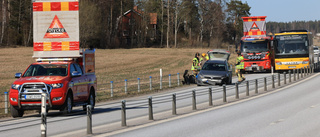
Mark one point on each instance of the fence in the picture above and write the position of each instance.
(134, 86)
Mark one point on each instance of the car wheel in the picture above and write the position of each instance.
(91, 101)
(229, 81)
(16, 112)
(67, 107)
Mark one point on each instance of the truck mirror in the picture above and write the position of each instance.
(75, 74)
(17, 75)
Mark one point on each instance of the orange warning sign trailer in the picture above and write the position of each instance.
(255, 45)
(56, 28)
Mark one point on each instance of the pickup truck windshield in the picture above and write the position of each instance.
(47, 70)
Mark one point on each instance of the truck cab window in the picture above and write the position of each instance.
(78, 68)
(72, 68)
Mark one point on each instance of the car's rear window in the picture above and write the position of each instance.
(214, 67)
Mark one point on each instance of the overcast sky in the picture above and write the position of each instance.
(285, 10)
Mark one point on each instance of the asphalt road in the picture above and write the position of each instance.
(109, 112)
(289, 112)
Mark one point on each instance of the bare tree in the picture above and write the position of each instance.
(162, 10)
(4, 20)
(168, 17)
(178, 20)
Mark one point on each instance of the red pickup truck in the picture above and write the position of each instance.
(68, 82)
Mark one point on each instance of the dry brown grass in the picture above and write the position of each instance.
(111, 64)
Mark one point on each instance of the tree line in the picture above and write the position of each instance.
(179, 23)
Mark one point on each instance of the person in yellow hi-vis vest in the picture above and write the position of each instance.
(203, 59)
(240, 67)
(196, 64)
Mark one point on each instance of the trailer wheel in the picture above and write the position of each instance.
(16, 112)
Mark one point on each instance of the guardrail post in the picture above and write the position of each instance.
(279, 84)
(139, 85)
(294, 75)
(178, 78)
(160, 82)
(174, 104)
(224, 93)
(256, 88)
(150, 82)
(265, 84)
(273, 85)
(289, 76)
(298, 74)
(271, 70)
(309, 70)
(126, 86)
(111, 88)
(160, 78)
(304, 72)
(247, 89)
(6, 100)
(285, 77)
(210, 96)
(43, 126)
(194, 105)
(169, 80)
(89, 119)
(123, 113)
(150, 108)
(237, 90)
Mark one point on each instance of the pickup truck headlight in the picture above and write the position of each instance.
(15, 86)
(57, 85)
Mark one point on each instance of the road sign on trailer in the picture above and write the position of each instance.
(55, 28)
(254, 26)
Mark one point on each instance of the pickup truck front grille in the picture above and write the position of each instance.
(32, 92)
(35, 88)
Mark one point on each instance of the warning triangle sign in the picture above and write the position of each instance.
(254, 27)
(56, 30)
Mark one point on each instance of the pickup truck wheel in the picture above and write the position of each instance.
(67, 108)
(91, 101)
(15, 112)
